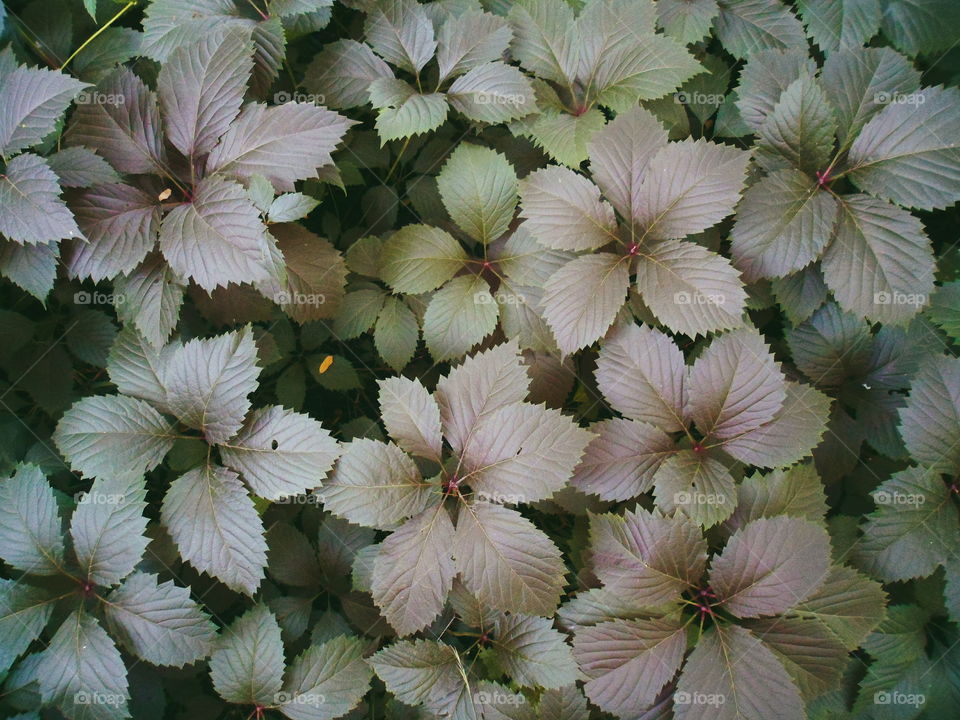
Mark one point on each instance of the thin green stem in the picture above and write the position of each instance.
(93, 37)
(397, 161)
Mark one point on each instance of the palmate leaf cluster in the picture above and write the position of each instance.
(479, 359)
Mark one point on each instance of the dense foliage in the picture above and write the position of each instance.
(480, 359)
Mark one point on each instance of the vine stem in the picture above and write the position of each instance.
(90, 39)
(397, 161)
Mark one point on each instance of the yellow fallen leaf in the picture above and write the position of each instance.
(164, 195)
(325, 365)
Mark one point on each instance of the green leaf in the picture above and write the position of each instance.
(413, 115)
(459, 316)
(342, 73)
(731, 663)
(493, 93)
(108, 529)
(800, 294)
(521, 452)
(290, 207)
(483, 383)
(648, 558)
(216, 527)
(746, 26)
(796, 492)
(396, 333)
(469, 40)
(159, 622)
(81, 672)
(583, 298)
(30, 537)
(401, 33)
(207, 382)
(641, 373)
(284, 143)
(921, 26)
(944, 309)
(800, 131)
(110, 434)
(247, 666)
(419, 671)
(375, 484)
(31, 210)
(687, 20)
(764, 78)
(880, 264)
(831, 347)
(620, 154)
(628, 662)
(201, 87)
(33, 100)
(544, 41)
(908, 154)
(31, 267)
(420, 258)
(411, 416)
(280, 453)
(931, 419)
(735, 386)
(564, 136)
(783, 223)
(913, 530)
(413, 570)
(848, 605)
(840, 24)
(358, 312)
(479, 190)
(82, 168)
(700, 487)
(326, 681)
(506, 561)
(563, 210)
(533, 653)
(24, 613)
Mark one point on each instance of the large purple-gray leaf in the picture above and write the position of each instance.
(122, 123)
(31, 102)
(771, 565)
(215, 526)
(120, 223)
(217, 238)
(284, 143)
(31, 210)
(208, 381)
(628, 662)
(201, 89)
